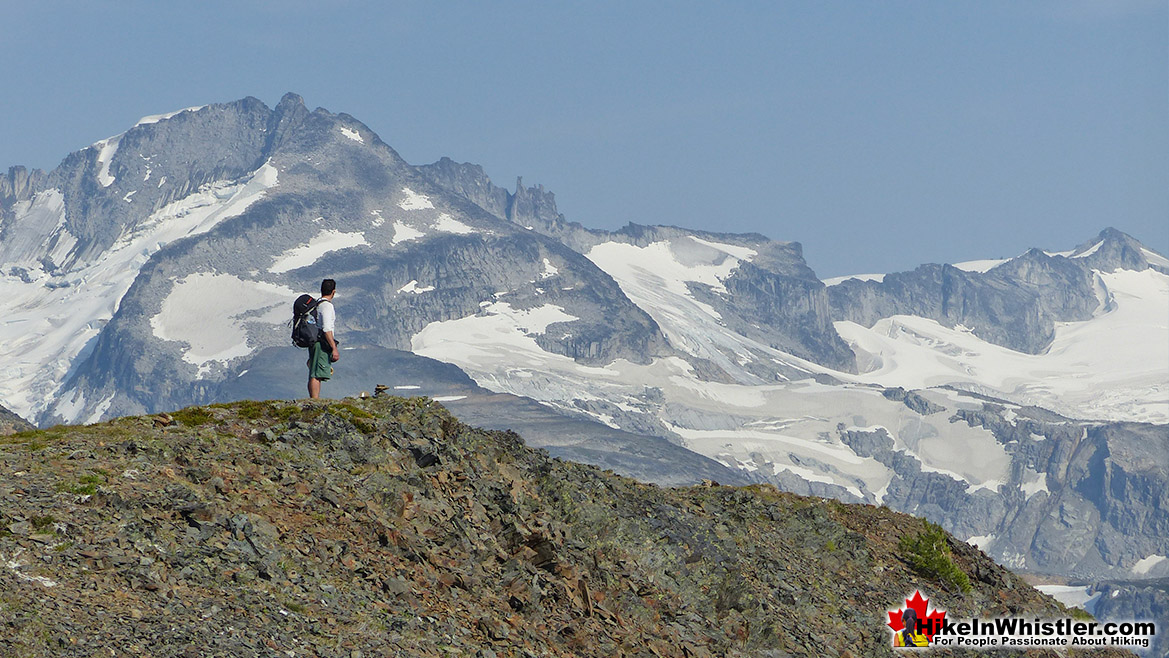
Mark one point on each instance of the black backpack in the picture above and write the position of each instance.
(305, 331)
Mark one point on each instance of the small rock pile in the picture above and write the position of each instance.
(385, 527)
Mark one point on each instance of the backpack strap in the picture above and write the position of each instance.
(317, 303)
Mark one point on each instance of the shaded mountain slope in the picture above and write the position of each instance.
(1014, 303)
(11, 423)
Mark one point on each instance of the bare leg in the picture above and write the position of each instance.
(314, 387)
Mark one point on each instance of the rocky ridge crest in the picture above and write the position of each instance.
(362, 527)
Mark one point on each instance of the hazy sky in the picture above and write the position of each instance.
(881, 135)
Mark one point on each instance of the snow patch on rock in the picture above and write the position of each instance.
(411, 200)
(304, 255)
(414, 288)
(155, 118)
(213, 325)
(980, 266)
(859, 277)
(1147, 564)
(402, 233)
(448, 224)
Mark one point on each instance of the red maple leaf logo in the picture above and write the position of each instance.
(931, 622)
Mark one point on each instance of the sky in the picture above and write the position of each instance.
(878, 135)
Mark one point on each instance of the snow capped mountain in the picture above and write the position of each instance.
(154, 269)
(1110, 367)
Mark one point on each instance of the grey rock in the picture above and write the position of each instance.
(1015, 304)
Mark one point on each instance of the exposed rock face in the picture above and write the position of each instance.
(258, 528)
(997, 310)
(1084, 500)
(774, 298)
(1015, 304)
(1113, 250)
(1136, 600)
(10, 423)
(19, 184)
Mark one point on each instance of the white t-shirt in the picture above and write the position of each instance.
(326, 315)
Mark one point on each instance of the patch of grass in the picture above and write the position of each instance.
(193, 416)
(34, 440)
(42, 523)
(361, 419)
(928, 553)
(78, 489)
(298, 608)
(251, 409)
(86, 484)
(356, 412)
(1080, 613)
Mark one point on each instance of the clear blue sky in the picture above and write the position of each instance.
(879, 134)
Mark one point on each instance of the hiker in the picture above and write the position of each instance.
(909, 636)
(323, 353)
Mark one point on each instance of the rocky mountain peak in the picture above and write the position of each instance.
(290, 102)
(1113, 250)
(19, 184)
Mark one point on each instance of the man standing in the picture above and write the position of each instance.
(323, 353)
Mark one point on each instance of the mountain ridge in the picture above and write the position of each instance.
(385, 525)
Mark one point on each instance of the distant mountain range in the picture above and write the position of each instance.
(1022, 403)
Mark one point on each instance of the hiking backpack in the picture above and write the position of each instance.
(305, 331)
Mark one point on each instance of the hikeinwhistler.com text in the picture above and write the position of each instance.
(1015, 632)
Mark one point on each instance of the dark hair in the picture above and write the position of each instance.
(327, 287)
(909, 618)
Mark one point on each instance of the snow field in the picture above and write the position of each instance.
(777, 427)
(1112, 367)
(214, 326)
(50, 319)
(304, 255)
(658, 278)
(1073, 596)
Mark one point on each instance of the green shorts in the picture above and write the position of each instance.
(319, 366)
